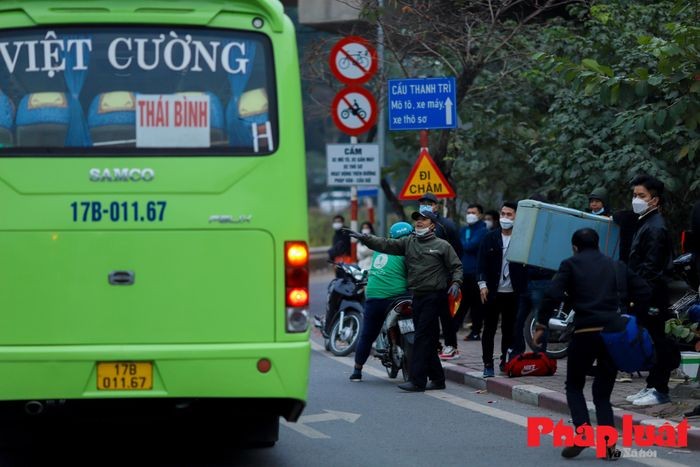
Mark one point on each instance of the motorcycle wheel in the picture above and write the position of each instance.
(557, 347)
(392, 370)
(343, 337)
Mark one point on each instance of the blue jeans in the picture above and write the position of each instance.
(373, 317)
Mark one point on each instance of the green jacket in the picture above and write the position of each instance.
(431, 263)
(387, 276)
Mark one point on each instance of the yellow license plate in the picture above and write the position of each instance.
(124, 376)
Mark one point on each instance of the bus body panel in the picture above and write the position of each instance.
(208, 299)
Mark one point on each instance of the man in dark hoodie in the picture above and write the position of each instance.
(591, 281)
(433, 271)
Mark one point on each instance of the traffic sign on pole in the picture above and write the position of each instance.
(353, 60)
(425, 178)
(354, 110)
(422, 104)
(352, 164)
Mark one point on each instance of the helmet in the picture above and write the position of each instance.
(400, 229)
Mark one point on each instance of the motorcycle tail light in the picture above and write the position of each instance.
(296, 283)
(404, 308)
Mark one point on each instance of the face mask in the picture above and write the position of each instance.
(472, 218)
(599, 211)
(639, 206)
(506, 224)
(489, 224)
(366, 231)
(425, 207)
(337, 225)
(422, 232)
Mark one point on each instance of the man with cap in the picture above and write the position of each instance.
(433, 271)
(598, 202)
(446, 230)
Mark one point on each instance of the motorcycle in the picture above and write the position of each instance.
(559, 331)
(345, 301)
(394, 345)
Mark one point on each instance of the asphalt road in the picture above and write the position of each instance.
(345, 424)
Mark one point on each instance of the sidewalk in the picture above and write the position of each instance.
(548, 391)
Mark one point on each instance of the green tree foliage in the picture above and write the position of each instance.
(627, 101)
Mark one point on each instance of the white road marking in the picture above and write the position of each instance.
(469, 405)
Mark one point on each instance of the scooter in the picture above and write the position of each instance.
(394, 345)
(345, 301)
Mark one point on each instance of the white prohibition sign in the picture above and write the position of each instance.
(354, 110)
(353, 61)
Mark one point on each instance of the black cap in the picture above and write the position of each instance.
(427, 214)
(429, 196)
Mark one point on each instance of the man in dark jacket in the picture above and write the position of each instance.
(500, 282)
(591, 281)
(433, 271)
(471, 236)
(446, 230)
(651, 257)
(340, 245)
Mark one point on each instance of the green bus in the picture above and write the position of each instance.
(153, 222)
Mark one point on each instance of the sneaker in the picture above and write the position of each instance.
(678, 376)
(623, 377)
(612, 453)
(449, 353)
(488, 372)
(653, 397)
(643, 392)
(356, 375)
(472, 336)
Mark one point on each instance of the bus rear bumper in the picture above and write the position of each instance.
(230, 374)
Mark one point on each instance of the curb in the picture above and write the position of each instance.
(512, 388)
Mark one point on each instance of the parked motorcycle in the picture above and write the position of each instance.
(559, 331)
(394, 345)
(345, 301)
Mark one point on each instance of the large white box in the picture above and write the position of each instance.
(542, 233)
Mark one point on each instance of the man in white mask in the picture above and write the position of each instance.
(500, 282)
(650, 257)
(340, 245)
(471, 236)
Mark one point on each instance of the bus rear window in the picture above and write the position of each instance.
(136, 91)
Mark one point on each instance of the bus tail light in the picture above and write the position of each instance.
(296, 284)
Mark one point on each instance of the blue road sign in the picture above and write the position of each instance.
(422, 103)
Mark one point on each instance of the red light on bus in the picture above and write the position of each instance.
(297, 254)
(264, 365)
(297, 297)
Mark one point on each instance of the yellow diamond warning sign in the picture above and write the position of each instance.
(426, 177)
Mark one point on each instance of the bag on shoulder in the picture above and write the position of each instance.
(531, 364)
(629, 344)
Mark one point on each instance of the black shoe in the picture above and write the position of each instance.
(410, 387)
(356, 375)
(433, 385)
(572, 451)
(474, 336)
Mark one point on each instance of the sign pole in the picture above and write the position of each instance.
(381, 228)
(353, 212)
(424, 139)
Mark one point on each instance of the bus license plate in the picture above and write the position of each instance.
(124, 376)
(406, 326)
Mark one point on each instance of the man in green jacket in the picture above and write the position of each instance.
(433, 271)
